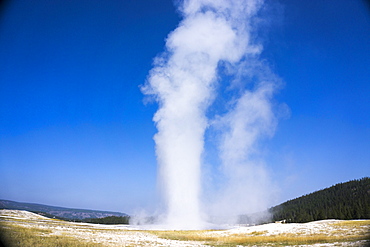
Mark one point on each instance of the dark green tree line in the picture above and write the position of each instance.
(350, 200)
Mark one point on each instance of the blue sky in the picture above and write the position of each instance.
(75, 130)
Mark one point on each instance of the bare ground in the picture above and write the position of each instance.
(342, 233)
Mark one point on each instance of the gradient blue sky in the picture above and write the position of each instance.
(74, 130)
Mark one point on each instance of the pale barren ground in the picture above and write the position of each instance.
(318, 233)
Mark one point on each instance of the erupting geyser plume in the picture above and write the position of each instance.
(213, 35)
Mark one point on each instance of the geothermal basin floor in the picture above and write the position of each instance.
(318, 233)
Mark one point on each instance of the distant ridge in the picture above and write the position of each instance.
(58, 212)
(343, 201)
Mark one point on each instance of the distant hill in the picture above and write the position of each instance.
(59, 212)
(344, 201)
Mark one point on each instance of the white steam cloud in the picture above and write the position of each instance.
(213, 36)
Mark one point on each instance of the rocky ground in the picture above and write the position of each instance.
(121, 235)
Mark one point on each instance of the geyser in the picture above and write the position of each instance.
(214, 36)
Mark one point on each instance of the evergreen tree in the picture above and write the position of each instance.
(350, 200)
